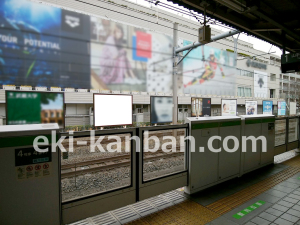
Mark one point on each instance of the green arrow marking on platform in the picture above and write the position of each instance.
(249, 209)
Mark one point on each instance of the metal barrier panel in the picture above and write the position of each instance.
(167, 159)
(163, 159)
(97, 172)
(293, 129)
(85, 173)
(293, 133)
(280, 132)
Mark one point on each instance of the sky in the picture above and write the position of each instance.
(56, 104)
(257, 43)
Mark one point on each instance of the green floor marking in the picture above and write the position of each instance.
(249, 209)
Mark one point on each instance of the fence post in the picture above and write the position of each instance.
(287, 134)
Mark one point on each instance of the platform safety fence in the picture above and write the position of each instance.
(116, 179)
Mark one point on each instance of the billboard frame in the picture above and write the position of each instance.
(112, 125)
(235, 105)
(202, 106)
(64, 104)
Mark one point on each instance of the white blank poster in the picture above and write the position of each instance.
(110, 110)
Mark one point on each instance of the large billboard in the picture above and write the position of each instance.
(260, 84)
(41, 45)
(128, 58)
(209, 71)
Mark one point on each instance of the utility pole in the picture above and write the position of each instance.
(175, 98)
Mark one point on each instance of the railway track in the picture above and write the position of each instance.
(97, 165)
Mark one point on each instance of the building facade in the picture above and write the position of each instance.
(250, 65)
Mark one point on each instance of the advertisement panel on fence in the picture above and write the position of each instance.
(251, 107)
(267, 107)
(229, 107)
(281, 108)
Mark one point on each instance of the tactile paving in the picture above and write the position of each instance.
(227, 204)
(189, 212)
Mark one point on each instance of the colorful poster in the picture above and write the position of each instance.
(128, 58)
(228, 107)
(209, 71)
(201, 107)
(281, 108)
(251, 107)
(260, 84)
(267, 107)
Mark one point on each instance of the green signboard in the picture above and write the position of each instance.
(34, 108)
(23, 108)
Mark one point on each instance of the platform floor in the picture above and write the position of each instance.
(270, 195)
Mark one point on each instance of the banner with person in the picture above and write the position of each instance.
(229, 107)
(209, 71)
(251, 107)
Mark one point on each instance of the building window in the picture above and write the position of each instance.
(246, 73)
(52, 114)
(273, 77)
(145, 108)
(244, 92)
(272, 93)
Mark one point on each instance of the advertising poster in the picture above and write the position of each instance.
(228, 107)
(209, 71)
(251, 107)
(281, 108)
(293, 108)
(161, 109)
(128, 58)
(267, 107)
(39, 45)
(201, 107)
(260, 84)
(44, 108)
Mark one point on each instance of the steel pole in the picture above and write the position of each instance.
(175, 99)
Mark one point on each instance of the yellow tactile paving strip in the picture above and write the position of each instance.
(189, 212)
